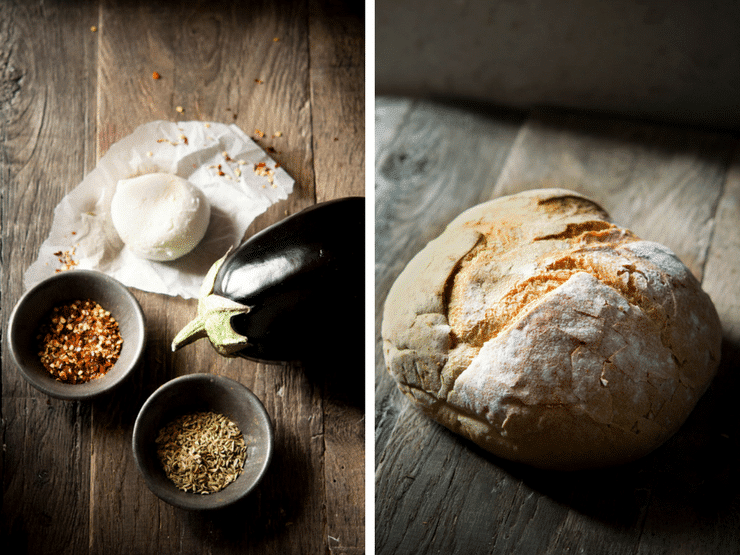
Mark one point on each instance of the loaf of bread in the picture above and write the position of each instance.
(548, 335)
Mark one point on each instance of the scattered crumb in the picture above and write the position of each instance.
(276, 39)
(277, 134)
(155, 75)
(259, 133)
(94, 29)
(66, 260)
(261, 169)
(180, 109)
(150, 154)
(259, 81)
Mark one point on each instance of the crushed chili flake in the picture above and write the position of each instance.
(79, 341)
(66, 260)
(261, 169)
(259, 133)
(259, 81)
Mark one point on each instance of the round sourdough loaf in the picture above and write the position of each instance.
(548, 335)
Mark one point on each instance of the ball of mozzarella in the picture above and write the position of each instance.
(159, 216)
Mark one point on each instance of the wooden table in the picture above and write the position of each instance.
(77, 77)
(438, 493)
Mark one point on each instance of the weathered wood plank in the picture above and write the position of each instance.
(337, 38)
(722, 271)
(45, 475)
(46, 146)
(219, 63)
(337, 69)
(700, 491)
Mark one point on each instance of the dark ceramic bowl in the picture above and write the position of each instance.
(194, 393)
(61, 288)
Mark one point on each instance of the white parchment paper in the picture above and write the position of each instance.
(240, 180)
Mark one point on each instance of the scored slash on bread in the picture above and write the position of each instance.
(548, 335)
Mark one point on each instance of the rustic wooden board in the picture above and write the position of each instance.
(438, 493)
(290, 75)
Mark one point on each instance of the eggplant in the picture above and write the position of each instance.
(294, 291)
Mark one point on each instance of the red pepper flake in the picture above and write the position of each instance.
(262, 170)
(259, 81)
(66, 260)
(155, 75)
(259, 133)
(79, 342)
(276, 39)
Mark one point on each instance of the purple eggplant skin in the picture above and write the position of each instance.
(304, 279)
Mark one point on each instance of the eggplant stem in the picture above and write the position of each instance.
(213, 319)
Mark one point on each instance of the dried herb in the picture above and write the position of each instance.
(79, 342)
(201, 452)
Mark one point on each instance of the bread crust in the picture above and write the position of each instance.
(548, 335)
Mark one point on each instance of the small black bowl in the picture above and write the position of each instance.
(61, 288)
(195, 393)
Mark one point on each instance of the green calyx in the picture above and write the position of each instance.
(213, 319)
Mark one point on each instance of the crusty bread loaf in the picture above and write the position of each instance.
(548, 335)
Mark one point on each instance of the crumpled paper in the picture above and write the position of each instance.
(240, 180)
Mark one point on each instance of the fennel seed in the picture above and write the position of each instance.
(201, 452)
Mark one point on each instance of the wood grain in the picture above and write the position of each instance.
(44, 108)
(287, 75)
(438, 493)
